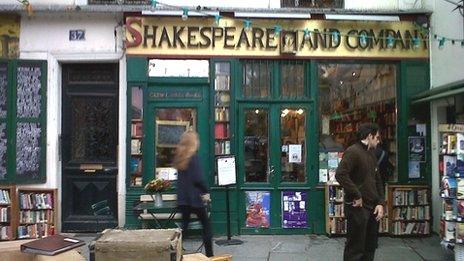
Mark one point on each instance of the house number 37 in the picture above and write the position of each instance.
(76, 35)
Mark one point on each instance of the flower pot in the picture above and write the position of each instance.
(158, 199)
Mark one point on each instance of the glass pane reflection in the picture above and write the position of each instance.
(292, 131)
(256, 144)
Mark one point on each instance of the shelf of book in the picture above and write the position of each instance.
(451, 169)
(335, 212)
(37, 213)
(222, 97)
(135, 163)
(409, 208)
(7, 210)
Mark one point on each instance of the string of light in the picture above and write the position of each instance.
(363, 37)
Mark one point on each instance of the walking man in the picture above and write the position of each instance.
(358, 174)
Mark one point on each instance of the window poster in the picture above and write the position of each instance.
(294, 209)
(414, 169)
(417, 148)
(258, 207)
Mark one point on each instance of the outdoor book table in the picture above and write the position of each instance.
(149, 211)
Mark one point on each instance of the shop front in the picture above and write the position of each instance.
(277, 95)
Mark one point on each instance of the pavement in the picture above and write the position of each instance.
(314, 248)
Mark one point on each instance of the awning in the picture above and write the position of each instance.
(444, 91)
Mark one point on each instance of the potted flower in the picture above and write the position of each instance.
(155, 187)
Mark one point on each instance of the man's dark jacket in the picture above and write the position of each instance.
(359, 176)
(191, 184)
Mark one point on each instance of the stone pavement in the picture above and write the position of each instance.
(315, 248)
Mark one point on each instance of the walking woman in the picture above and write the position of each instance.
(192, 192)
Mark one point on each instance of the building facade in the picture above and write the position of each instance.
(274, 92)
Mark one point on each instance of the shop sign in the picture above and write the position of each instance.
(9, 36)
(199, 36)
(451, 128)
(160, 95)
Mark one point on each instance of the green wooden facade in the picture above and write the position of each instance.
(412, 78)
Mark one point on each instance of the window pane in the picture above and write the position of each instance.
(169, 126)
(351, 94)
(178, 68)
(292, 83)
(256, 144)
(256, 79)
(292, 129)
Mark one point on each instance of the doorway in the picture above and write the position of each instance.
(89, 142)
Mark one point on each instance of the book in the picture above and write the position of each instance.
(460, 143)
(449, 165)
(459, 232)
(460, 188)
(452, 139)
(51, 245)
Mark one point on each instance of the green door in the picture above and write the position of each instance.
(273, 144)
(167, 120)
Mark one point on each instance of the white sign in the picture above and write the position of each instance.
(226, 171)
(166, 173)
(294, 153)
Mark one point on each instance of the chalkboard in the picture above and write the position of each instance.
(29, 86)
(3, 88)
(28, 149)
(168, 132)
(3, 142)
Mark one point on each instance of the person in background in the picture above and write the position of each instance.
(358, 174)
(192, 192)
(383, 163)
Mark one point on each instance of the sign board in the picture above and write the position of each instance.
(226, 171)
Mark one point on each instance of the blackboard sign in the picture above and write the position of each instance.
(168, 132)
(28, 149)
(3, 88)
(3, 143)
(29, 87)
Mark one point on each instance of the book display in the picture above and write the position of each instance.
(222, 146)
(7, 208)
(409, 208)
(335, 212)
(37, 213)
(451, 169)
(136, 142)
(344, 125)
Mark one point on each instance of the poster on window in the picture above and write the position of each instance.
(294, 209)
(417, 149)
(258, 206)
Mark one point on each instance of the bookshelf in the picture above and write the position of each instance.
(409, 208)
(451, 169)
(37, 213)
(222, 134)
(335, 212)
(136, 160)
(7, 210)
(344, 125)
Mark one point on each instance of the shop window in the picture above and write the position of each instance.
(313, 3)
(256, 143)
(351, 94)
(292, 131)
(178, 68)
(136, 161)
(256, 79)
(292, 82)
(170, 124)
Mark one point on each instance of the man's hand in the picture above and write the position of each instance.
(206, 198)
(378, 211)
(358, 203)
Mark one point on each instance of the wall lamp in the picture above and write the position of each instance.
(392, 18)
(271, 15)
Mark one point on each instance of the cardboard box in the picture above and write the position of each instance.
(142, 244)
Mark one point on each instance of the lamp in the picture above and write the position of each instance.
(271, 15)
